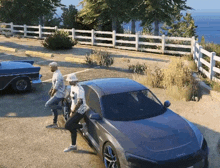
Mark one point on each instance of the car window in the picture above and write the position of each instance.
(93, 101)
(131, 106)
(151, 96)
(86, 89)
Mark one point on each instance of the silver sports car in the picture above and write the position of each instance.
(130, 128)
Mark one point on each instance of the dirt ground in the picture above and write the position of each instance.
(25, 142)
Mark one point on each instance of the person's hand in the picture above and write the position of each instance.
(50, 91)
(53, 92)
(72, 112)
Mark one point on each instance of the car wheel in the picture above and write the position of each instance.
(21, 84)
(110, 157)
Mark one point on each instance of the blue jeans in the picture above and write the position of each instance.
(52, 104)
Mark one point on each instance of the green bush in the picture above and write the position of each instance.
(58, 40)
(99, 58)
(138, 68)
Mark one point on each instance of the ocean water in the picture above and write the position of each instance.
(208, 26)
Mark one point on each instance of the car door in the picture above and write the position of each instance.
(93, 125)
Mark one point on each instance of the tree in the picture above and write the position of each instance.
(159, 11)
(26, 11)
(51, 20)
(69, 17)
(181, 26)
(102, 12)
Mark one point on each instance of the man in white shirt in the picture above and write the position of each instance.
(57, 92)
(78, 109)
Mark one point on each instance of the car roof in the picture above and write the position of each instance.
(107, 86)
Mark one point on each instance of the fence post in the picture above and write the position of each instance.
(56, 28)
(92, 37)
(113, 38)
(163, 44)
(192, 44)
(200, 56)
(40, 31)
(137, 41)
(12, 28)
(194, 53)
(212, 65)
(25, 30)
(73, 33)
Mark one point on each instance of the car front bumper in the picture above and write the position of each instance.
(197, 161)
(37, 81)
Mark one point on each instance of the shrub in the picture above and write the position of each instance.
(177, 79)
(188, 57)
(99, 58)
(58, 40)
(155, 78)
(215, 86)
(138, 68)
(179, 82)
(151, 78)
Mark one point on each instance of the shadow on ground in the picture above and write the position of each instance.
(29, 104)
(73, 51)
(213, 139)
(140, 58)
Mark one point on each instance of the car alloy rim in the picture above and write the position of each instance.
(110, 159)
(21, 84)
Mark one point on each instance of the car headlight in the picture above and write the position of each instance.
(197, 132)
(138, 161)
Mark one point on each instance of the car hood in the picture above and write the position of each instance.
(158, 137)
(14, 65)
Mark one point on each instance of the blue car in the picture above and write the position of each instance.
(19, 74)
(130, 128)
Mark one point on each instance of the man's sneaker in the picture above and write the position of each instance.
(70, 148)
(52, 126)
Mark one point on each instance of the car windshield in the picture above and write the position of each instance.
(131, 106)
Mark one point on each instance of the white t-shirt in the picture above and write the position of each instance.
(58, 84)
(77, 92)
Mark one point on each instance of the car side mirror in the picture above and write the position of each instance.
(95, 116)
(167, 104)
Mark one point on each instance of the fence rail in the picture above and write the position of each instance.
(208, 68)
(149, 43)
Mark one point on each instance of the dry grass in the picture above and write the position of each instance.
(125, 60)
(215, 86)
(176, 79)
(101, 58)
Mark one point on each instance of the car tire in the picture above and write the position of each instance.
(21, 85)
(110, 157)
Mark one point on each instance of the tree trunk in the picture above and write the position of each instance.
(114, 24)
(99, 24)
(41, 20)
(132, 26)
(156, 28)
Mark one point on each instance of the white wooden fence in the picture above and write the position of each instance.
(135, 42)
(198, 55)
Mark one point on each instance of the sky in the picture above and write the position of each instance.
(199, 6)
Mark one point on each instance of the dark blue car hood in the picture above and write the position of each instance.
(162, 136)
(14, 65)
